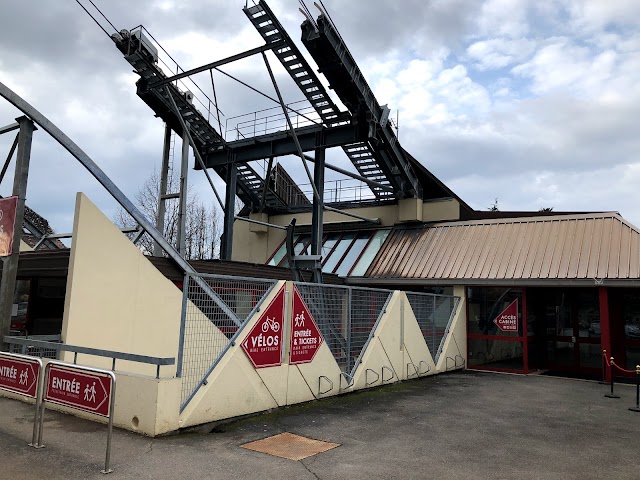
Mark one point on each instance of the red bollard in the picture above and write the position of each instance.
(611, 394)
(637, 407)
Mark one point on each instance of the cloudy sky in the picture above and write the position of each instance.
(535, 103)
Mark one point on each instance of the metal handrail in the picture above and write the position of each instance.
(131, 357)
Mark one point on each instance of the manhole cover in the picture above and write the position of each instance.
(288, 445)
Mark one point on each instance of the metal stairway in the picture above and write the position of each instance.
(250, 184)
(337, 64)
(361, 154)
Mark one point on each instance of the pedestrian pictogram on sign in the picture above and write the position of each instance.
(305, 336)
(19, 375)
(263, 344)
(507, 321)
(81, 389)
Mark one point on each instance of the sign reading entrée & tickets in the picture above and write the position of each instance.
(81, 389)
(507, 321)
(305, 336)
(19, 375)
(263, 344)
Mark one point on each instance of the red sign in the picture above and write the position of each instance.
(7, 223)
(263, 344)
(77, 388)
(507, 321)
(19, 375)
(305, 336)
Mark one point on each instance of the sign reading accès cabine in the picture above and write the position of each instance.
(305, 336)
(263, 344)
(19, 375)
(81, 389)
(7, 224)
(507, 321)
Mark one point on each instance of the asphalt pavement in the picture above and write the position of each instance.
(459, 425)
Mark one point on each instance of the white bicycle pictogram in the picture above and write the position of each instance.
(270, 322)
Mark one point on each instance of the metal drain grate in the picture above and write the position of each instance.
(290, 446)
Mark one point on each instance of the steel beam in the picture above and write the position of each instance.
(164, 174)
(280, 144)
(226, 245)
(317, 210)
(218, 63)
(9, 128)
(10, 267)
(375, 221)
(258, 222)
(12, 150)
(113, 190)
(182, 209)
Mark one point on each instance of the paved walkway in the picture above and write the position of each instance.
(461, 425)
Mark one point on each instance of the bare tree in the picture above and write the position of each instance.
(202, 225)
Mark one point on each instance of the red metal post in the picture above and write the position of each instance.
(605, 325)
(525, 333)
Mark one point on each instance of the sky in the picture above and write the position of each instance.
(530, 102)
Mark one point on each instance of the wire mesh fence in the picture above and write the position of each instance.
(214, 309)
(434, 314)
(346, 317)
(36, 351)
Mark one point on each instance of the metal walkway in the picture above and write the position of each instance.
(361, 154)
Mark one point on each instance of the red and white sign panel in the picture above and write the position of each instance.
(81, 389)
(305, 336)
(263, 344)
(7, 223)
(19, 375)
(507, 321)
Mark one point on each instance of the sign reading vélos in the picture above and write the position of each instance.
(263, 344)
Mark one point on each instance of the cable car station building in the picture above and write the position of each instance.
(396, 278)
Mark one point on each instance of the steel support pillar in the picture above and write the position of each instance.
(182, 209)
(164, 177)
(10, 267)
(226, 245)
(317, 212)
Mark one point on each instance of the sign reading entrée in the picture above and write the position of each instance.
(81, 389)
(263, 344)
(19, 375)
(305, 336)
(507, 321)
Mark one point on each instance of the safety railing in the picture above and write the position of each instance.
(270, 120)
(208, 329)
(346, 317)
(40, 348)
(434, 314)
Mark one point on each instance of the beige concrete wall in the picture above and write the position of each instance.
(116, 299)
(254, 243)
(454, 350)
(143, 405)
(24, 247)
(441, 210)
(417, 359)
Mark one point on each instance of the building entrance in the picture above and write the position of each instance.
(564, 330)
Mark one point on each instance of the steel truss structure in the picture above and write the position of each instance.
(363, 131)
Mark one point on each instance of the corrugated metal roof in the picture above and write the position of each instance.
(564, 247)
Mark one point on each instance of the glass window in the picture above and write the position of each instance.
(495, 353)
(335, 257)
(354, 252)
(370, 253)
(281, 252)
(486, 304)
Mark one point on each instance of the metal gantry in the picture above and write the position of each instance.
(363, 131)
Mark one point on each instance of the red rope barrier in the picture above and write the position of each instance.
(604, 354)
(622, 369)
